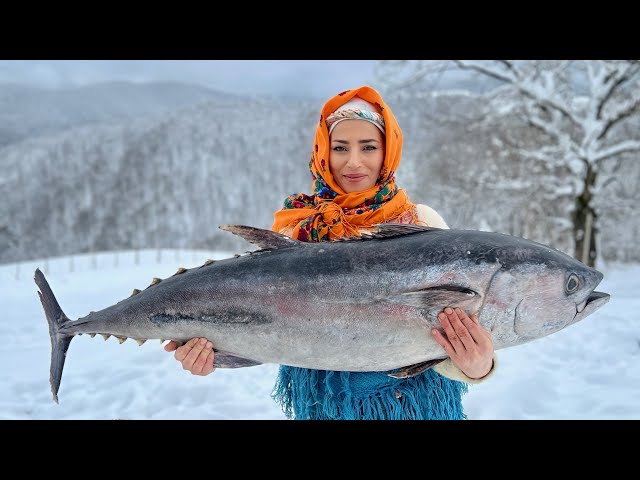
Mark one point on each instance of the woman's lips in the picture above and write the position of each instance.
(354, 178)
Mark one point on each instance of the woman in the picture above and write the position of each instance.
(357, 150)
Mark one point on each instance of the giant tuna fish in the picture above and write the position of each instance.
(362, 304)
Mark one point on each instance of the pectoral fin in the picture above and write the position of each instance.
(438, 298)
(415, 369)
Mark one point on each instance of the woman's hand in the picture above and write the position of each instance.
(467, 343)
(196, 355)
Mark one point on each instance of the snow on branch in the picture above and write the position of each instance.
(615, 150)
(542, 87)
(510, 76)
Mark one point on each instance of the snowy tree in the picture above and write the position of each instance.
(582, 108)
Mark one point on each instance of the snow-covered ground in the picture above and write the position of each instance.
(588, 371)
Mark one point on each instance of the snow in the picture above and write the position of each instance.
(588, 371)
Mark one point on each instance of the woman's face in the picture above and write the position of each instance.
(357, 154)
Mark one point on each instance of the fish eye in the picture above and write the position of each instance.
(572, 283)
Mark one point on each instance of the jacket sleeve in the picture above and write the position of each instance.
(431, 218)
(447, 369)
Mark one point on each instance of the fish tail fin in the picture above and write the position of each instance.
(59, 341)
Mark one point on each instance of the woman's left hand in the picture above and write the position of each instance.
(468, 344)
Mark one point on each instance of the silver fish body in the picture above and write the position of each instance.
(365, 304)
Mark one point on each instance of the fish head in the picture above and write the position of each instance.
(545, 294)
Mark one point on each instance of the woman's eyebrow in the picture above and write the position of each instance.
(367, 140)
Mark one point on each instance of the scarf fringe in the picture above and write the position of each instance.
(306, 394)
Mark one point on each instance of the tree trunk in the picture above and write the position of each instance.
(584, 222)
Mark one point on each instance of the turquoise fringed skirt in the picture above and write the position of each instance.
(306, 394)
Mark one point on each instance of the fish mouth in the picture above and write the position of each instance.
(591, 304)
(583, 310)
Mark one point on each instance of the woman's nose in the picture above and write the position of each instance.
(354, 158)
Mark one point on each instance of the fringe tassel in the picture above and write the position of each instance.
(306, 394)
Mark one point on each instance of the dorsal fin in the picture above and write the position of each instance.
(264, 239)
(388, 230)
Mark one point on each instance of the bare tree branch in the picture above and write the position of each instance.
(417, 71)
(481, 68)
(609, 93)
(615, 150)
(629, 72)
(632, 108)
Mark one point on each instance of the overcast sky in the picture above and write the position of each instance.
(318, 78)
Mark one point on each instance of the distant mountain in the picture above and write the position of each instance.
(28, 112)
(169, 179)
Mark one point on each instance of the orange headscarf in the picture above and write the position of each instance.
(331, 213)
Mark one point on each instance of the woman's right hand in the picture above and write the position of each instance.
(196, 355)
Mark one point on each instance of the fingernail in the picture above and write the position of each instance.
(448, 310)
(203, 341)
(209, 345)
(433, 331)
